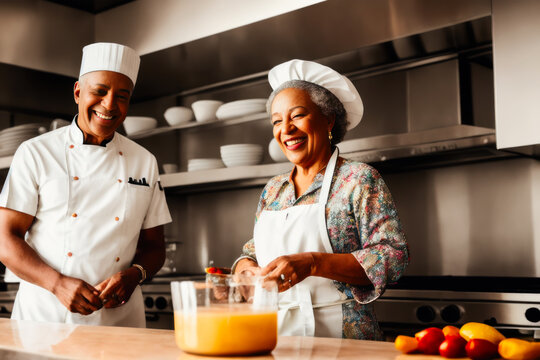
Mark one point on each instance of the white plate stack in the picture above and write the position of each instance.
(12, 137)
(240, 108)
(241, 154)
(204, 164)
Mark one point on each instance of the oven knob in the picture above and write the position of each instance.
(451, 313)
(425, 313)
(161, 303)
(149, 302)
(532, 314)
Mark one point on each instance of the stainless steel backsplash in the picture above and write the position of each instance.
(480, 219)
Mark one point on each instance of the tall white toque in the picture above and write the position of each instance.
(324, 76)
(112, 57)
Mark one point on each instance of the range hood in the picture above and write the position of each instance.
(427, 109)
(448, 145)
(426, 78)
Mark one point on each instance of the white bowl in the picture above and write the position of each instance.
(247, 162)
(275, 151)
(205, 110)
(177, 115)
(241, 154)
(241, 108)
(137, 124)
(204, 164)
(241, 148)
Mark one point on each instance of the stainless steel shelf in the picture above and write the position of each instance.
(223, 175)
(201, 125)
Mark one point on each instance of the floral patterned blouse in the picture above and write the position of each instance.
(362, 220)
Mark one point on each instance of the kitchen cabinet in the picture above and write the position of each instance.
(515, 53)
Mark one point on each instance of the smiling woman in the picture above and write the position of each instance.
(302, 130)
(328, 233)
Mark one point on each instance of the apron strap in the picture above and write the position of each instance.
(323, 198)
(328, 175)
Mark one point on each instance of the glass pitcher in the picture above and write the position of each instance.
(225, 315)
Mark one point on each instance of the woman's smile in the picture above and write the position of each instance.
(294, 143)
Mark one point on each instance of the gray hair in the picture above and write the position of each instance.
(328, 104)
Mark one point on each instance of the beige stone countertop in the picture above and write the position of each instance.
(35, 340)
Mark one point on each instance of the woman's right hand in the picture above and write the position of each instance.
(247, 267)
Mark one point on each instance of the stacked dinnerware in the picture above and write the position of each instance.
(241, 154)
(204, 164)
(239, 108)
(12, 137)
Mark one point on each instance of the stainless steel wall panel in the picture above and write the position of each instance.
(385, 103)
(433, 96)
(471, 220)
(211, 226)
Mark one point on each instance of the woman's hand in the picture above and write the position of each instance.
(247, 267)
(289, 270)
(117, 289)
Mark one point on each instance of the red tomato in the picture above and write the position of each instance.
(453, 347)
(480, 349)
(429, 340)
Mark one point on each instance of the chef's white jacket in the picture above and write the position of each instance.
(90, 203)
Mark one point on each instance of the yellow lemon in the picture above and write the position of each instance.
(474, 330)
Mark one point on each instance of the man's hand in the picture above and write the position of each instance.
(76, 295)
(116, 290)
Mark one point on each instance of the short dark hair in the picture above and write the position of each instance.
(328, 104)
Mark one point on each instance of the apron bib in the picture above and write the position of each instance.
(313, 306)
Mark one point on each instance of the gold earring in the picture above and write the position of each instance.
(330, 135)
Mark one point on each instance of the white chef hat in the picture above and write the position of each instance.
(323, 76)
(112, 57)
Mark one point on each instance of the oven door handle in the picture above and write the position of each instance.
(152, 317)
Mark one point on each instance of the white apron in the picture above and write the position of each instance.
(313, 306)
(94, 213)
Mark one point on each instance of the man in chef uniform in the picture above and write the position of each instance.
(82, 210)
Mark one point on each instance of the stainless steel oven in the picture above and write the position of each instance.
(7, 298)
(512, 305)
(158, 303)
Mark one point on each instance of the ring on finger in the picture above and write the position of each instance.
(282, 277)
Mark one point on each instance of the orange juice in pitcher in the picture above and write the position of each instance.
(229, 315)
(215, 331)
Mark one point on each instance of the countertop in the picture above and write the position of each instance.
(33, 340)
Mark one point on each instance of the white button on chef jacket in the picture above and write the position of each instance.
(87, 216)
